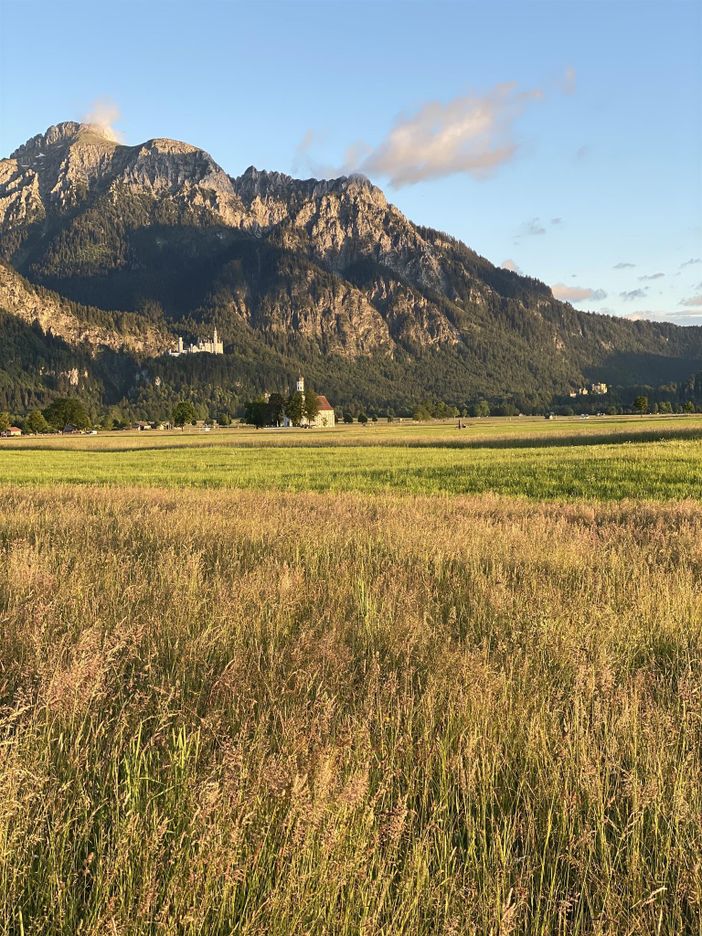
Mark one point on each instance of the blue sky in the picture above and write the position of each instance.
(561, 136)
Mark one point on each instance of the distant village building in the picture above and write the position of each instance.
(11, 431)
(325, 418)
(209, 347)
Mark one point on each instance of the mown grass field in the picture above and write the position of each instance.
(601, 459)
(279, 710)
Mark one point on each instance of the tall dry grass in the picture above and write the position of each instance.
(303, 714)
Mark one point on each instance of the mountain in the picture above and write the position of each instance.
(114, 250)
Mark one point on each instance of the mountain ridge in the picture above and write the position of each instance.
(318, 271)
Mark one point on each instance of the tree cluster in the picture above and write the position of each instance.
(272, 409)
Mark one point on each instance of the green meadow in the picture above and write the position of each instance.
(404, 680)
(600, 459)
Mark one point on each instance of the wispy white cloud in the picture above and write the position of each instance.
(651, 276)
(673, 318)
(302, 152)
(471, 135)
(534, 227)
(577, 293)
(510, 265)
(623, 266)
(691, 262)
(631, 294)
(693, 301)
(303, 161)
(569, 82)
(104, 114)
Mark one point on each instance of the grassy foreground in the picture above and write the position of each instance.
(235, 712)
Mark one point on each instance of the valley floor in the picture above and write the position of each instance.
(293, 708)
(626, 457)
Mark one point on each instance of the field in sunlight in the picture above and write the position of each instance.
(601, 459)
(239, 695)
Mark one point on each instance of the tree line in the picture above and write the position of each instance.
(272, 409)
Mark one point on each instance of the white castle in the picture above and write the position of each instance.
(209, 347)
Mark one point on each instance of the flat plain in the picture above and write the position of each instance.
(383, 680)
(606, 458)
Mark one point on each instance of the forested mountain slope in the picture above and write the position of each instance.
(120, 249)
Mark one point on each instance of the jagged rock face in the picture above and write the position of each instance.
(339, 318)
(270, 258)
(338, 221)
(69, 163)
(57, 317)
(335, 224)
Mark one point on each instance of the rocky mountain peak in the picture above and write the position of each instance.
(71, 161)
(61, 135)
(272, 259)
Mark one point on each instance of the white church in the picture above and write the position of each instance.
(325, 418)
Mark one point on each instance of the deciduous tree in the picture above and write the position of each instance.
(183, 413)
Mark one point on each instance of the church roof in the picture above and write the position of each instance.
(324, 403)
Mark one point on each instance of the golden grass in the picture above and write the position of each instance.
(235, 712)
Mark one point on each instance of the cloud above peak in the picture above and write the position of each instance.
(577, 293)
(103, 114)
(471, 135)
(510, 265)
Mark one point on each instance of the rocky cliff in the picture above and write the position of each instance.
(318, 269)
(74, 324)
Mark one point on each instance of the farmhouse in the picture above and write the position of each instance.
(11, 431)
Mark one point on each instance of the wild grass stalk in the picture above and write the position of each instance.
(235, 712)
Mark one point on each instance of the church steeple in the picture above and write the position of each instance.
(300, 384)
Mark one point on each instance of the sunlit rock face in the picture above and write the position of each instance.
(159, 236)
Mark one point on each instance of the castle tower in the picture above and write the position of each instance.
(180, 345)
(300, 384)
